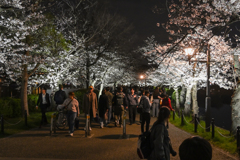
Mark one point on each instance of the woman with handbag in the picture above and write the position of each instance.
(72, 106)
(103, 106)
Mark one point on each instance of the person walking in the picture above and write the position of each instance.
(118, 102)
(44, 103)
(132, 103)
(156, 102)
(60, 96)
(103, 107)
(90, 105)
(166, 102)
(72, 106)
(110, 97)
(159, 139)
(146, 104)
(140, 107)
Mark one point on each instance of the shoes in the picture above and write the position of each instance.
(71, 134)
(89, 128)
(130, 123)
(101, 126)
(115, 124)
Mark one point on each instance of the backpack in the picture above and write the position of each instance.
(144, 145)
(119, 99)
(58, 97)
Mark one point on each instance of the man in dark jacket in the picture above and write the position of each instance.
(103, 107)
(60, 96)
(132, 103)
(44, 103)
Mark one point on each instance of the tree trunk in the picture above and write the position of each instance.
(93, 83)
(236, 98)
(177, 99)
(182, 96)
(236, 109)
(194, 99)
(187, 105)
(100, 91)
(87, 76)
(24, 100)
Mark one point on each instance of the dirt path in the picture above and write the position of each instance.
(105, 144)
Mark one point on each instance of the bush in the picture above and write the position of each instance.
(32, 102)
(79, 95)
(169, 92)
(10, 107)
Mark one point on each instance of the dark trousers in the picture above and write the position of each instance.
(43, 110)
(71, 116)
(132, 113)
(145, 118)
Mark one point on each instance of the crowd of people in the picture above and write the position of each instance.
(156, 104)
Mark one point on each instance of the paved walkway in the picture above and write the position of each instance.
(105, 144)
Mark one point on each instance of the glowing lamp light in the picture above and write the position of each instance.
(189, 51)
(141, 76)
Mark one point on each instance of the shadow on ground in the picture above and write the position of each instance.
(116, 136)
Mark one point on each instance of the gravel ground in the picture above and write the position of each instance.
(105, 144)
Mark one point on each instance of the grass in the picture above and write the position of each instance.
(33, 122)
(227, 144)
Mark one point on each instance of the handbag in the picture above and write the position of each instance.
(106, 115)
(65, 110)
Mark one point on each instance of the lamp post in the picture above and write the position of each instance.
(208, 98)
(144, 77)
(190, 52)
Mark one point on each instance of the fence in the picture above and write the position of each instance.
(197, 123)
(4, 121)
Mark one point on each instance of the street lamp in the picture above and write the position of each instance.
(190, 52)
(143, 77)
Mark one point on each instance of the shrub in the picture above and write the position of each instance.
(79, 95)
(32, 102)
(10, 107)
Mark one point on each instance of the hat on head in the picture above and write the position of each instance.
(90, 87)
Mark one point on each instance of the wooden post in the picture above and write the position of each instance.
(213, 129)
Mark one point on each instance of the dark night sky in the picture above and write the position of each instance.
(140, 14)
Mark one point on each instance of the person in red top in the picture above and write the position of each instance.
(167, 102)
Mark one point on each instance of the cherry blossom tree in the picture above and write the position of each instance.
(23, 54)
(203, 20)
(175, 69)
